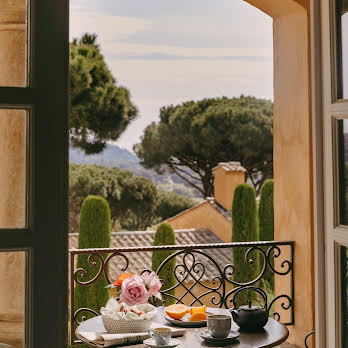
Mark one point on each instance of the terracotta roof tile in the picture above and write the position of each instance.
(140, 261)
(230, 167)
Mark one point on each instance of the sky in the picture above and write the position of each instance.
(170, 51)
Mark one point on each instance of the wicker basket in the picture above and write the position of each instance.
(116, 321)
(113, 326)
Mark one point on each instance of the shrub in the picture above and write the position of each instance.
(171, 204)
(165, 235)
(245, 229)
(95, 232)
(266, 222)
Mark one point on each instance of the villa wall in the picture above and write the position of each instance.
(293, 201)
(206, 216)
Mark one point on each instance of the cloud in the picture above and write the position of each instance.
(166, 52)
(108, 27)
(158, 83)
(191, 73)
(164, 56)
(128, 51)
(138, 48)
(196, 30)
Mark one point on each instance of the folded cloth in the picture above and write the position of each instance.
(113, 311)
(103, 339)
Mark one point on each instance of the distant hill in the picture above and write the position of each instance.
(114, 156)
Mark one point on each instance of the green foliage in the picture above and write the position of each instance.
(193, 137)
(135, 202)
(87, 180)
(165, 235)
(171, 204)
(266, 222)
(99, 109)
(266, 211)
(114, 156)
(139, 195)
(245, 229)
(94, 233)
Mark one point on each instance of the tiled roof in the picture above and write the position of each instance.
(230, 167)
(140, 261)
(225, 213)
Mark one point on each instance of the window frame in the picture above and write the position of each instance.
(318, 173)
(334, 234)
(46, 235)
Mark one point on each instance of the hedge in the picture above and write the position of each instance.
(95, 232)
(266, 222)
(165, 235)
(244, 229)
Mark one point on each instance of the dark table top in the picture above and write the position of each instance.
(274, 333)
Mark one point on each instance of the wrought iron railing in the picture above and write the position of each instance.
(307, 337)
(194, 263)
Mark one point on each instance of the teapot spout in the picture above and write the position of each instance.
(235, 315)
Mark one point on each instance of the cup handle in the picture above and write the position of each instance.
(150, 331)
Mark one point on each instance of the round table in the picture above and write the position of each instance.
(273, 334)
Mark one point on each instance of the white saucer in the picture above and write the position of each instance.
(172, 343)
(232, 336)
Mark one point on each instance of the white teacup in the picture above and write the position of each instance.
(161, 335)
(219, 326)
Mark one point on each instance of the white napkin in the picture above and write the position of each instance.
(103, 339)
(112, 310)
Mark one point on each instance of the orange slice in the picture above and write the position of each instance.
(176, 311)
(194, 310)
(198, 317)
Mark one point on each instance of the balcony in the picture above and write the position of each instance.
(204, 274)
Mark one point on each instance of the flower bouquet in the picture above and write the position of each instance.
(131, 313)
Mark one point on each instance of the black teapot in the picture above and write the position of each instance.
(250, 318)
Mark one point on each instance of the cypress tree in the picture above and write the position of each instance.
(245, 229)
(165, 235)
(95, 231)
(266, 222)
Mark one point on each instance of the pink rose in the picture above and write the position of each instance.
(134, 291)
(152, 283)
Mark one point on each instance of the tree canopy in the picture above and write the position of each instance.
(85, 180)
(135, 202)
(191, 138)
(170, 204)
(99, 109)
(139, 196)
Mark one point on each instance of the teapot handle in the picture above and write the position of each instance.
(251, 288)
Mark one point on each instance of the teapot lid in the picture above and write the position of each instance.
(249, 307)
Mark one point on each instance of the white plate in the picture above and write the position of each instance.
(184, 322)
(151, 343)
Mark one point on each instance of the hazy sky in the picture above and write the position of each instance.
(169, 51)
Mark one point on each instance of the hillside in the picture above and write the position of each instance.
(114, 156)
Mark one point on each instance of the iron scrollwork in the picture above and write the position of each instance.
(307, 337)
(192, 271)
(219, 288)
